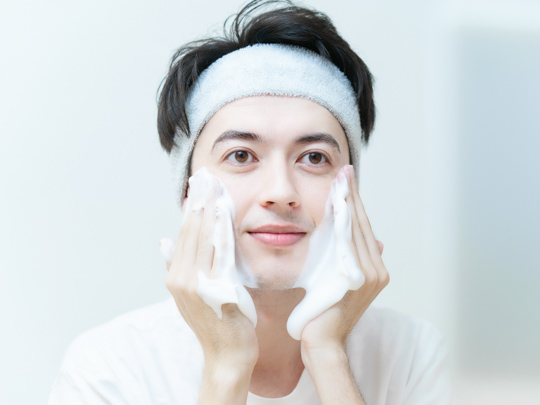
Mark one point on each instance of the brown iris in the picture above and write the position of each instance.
(315, 158)
(241, 156)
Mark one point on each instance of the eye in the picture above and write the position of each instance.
(240, 156)
(315, 158)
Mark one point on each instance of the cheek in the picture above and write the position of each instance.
(314, 194)
(241, 193)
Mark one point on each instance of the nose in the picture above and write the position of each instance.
(278, 188)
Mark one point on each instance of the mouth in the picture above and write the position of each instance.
(278, 235)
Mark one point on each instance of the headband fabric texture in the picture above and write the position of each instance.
(265, 69)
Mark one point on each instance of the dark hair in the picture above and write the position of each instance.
(284, 23)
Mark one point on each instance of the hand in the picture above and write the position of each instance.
(229, 343)
(329, 331)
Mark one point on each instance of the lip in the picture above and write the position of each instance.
(278, 228)
(278, 235)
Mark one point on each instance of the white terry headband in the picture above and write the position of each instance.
(265, 69)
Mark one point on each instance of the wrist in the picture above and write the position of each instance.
(241, 360)
(329, 370)
(329, 355)
(225, 383)
(227, 373)
(225, 366)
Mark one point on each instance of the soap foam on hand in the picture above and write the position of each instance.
(330, 269)
(230, 273)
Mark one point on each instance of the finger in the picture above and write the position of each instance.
(182, 233)
(183, 263)
(375, 251)
(205, 248)
(359, 241)
(363, 219)
(191, 242)
(224, 241)
(190, 207)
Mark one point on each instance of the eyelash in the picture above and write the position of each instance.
(231, 155)
(324, 158)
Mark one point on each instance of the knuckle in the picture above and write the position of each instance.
(385, 278)
(176, 285)
(370, 277)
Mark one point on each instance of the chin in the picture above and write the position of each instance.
(273, 269)
(267, 282)
(274, 276)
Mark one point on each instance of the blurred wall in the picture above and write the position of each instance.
(448, 181)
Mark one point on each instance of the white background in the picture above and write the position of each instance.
(449, 180)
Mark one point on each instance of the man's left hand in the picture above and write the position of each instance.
(329, 331)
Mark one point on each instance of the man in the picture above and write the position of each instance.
(276, 111)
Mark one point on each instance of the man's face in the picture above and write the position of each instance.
(277, 157)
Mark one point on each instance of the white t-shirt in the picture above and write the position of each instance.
(151, 356)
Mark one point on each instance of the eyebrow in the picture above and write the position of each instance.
(230, 135)
(318, 137)
(302, 140)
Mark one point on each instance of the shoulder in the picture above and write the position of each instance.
(389, 326)
(404, 356)
(124, 339)
(121, 358)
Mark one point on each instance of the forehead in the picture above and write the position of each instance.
(277, 119)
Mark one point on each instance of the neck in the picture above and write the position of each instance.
(279, 366)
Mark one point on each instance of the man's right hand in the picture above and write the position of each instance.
(229, 345)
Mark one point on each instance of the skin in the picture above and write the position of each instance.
(274, 179)
(278, 183)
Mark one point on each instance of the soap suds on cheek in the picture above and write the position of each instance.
(326, 272)
(230, 273)
(330, 269)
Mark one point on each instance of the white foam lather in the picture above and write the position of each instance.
(225, 283)
(329, 271)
